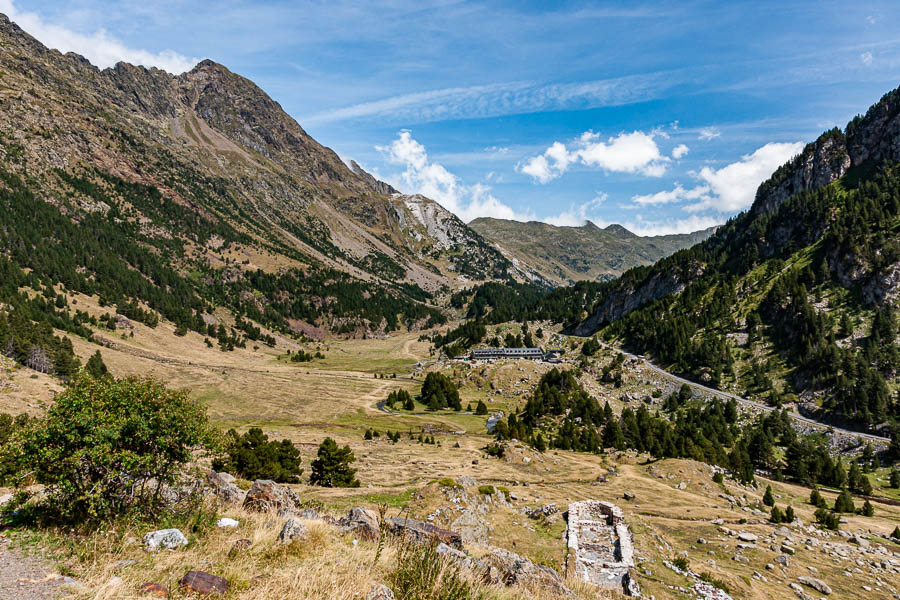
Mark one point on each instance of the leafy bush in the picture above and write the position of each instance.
(252, 456)
(109, 447)
(487, 490)
(332, 466)
(448, 482)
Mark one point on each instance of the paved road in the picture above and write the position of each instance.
(745, 401)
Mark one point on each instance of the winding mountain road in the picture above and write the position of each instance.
(745, 401)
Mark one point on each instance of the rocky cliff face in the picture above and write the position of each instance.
(867, 140)
(213, 140)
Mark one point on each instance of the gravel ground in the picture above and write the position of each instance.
(26, 578)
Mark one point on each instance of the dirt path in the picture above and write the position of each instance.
(26, 578)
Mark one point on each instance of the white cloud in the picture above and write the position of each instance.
(866, 58)
(576, 216)
(635, 152)
(677, 194)
(680, 151)
(708, 133)
(421, 176)
(733, 187)
(687, 225)
(102, 49)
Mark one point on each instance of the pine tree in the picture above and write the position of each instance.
(332, 466)
(482, 408)
(895, 478)
(789, 515)
(776, 516)
(368, 435)
(896, 533)
(95, 367)
(539, 444)
(817, 500)
(408, 403)
(768, 497)
(844, 503)
(867, 510)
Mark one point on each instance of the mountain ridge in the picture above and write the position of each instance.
(562, 255)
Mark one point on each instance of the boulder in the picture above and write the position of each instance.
(293, 530)
(362, 522)
(154, 589)
(226, 523)
(783, 560)
(204, 584)
(238, 547)
(380, 591)
(745, 536)
(423, 532)
(164, 539)
(518, 570)
(628, 496)
(471, 528)
(860, 541)
(265, 495)
(816, 584)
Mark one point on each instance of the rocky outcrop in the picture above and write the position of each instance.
(424, 532)
(518, 570)
(362, 522)
(265, 495)
(600, 549)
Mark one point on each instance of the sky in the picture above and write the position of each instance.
(661, 116)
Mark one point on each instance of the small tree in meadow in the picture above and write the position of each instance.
(331, 468)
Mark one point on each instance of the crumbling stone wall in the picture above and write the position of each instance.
(600, 549)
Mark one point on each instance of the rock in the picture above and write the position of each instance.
(71, 585)
(154, 589)
(471, 528)
(6, 499)
(265, 495)
(293, 530)
(787, 549)
(770, 567)
(467, 481)
(380, 591)
(816, 584)
(745, 536)
(226, 523)
(238, 547)
(203, 583)
(122, 564)
(113, 582)
(680, 486)
(783, 531)
(165, 539)
(362, 522)
(424, 532)
(309, 514)
(860, 541)
(628, 496)
(517, 570)
(740, 559)
(701, 541)
(783, 560)
(456, 445)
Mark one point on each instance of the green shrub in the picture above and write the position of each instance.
(447, 482)
(708, 578)
(503, 489)
(719, 477)
(423, 574)
(109, 447)
(682, 563)
(487, 490)
(252, 456)
(332, 466)
(827, 519)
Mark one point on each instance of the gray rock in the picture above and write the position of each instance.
(265, 495)
(362, 522)
(628, 496)
(816, 584)
(380, 591)
(787, 549)
(293, 530)
(164, 539)
(860, 541)
(226, 523)
(471, 528)
(745, 536)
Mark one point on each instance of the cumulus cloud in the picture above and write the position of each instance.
(677, 194)
(635, 152)
(102, 49)
(688, 224)
(733, 187)
(577, 216)
(680, 151)
(433, 180)
(708, 133)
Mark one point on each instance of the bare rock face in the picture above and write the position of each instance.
(471, 528)
(816, 584)
(362, 522)
(203, 584)
(267, 495)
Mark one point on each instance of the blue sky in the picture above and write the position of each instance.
(662, 116)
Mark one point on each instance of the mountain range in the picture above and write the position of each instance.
(564, 255)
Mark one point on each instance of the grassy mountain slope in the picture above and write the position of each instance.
(794, 300)
(170, 196)
(564, 255)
